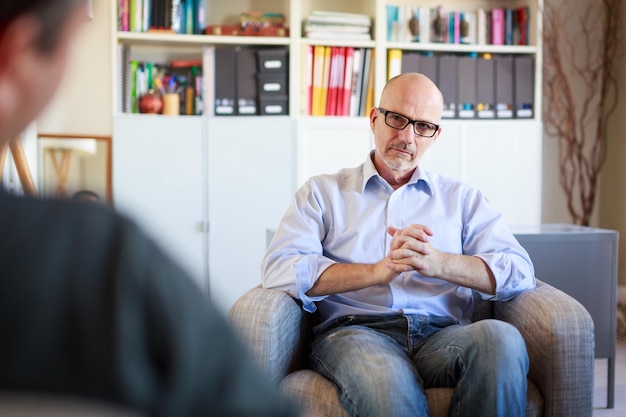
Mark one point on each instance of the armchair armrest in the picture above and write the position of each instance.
(274, 327)
(559, 337)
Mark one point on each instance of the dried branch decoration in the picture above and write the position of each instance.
(580, 88)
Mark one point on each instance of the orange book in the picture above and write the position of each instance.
(369, 103)
(318, 73)
(325, 79)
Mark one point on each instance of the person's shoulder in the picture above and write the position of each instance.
(446, 186)
(51, 216)
(337, 178)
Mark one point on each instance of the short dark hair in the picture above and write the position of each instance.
(51, 14)
(85, 195)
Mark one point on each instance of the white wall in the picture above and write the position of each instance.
(83, 103)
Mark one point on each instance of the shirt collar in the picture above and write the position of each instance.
(420, 177)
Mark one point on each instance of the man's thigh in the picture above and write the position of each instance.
(372, 371)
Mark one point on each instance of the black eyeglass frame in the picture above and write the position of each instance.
(385, 112)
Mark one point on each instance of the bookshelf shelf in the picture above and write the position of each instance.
(455, 48)
(172, 39)
(332, 42)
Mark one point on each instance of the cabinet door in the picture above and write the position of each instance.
(501, 158)
(326, 145)
(250, 187)
(159, 180)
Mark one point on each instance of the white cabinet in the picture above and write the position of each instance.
(325, 145)
(250, 186)
(159, 179)
(207, 190)
(503, 159)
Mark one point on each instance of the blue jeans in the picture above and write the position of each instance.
(381, 365)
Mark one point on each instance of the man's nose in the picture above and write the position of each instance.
(406, 134)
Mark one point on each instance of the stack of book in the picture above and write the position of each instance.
(340, 26)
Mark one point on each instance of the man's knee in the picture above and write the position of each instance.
(499, 341)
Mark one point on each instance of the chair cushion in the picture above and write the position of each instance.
(319, 396)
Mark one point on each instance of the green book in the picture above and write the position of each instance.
(134, 65)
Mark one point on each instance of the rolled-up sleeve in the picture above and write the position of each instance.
(487, 236)
(294, 259)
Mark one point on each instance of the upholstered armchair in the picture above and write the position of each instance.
(557, 329)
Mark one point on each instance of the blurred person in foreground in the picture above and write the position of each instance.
(390, 255)
(89, 307)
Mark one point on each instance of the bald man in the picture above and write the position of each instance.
(390, 255)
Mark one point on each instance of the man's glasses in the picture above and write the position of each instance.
(399, 122)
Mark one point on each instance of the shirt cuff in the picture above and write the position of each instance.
(308, 269)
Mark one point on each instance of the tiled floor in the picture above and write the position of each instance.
(599, 400)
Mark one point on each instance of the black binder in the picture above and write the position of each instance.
(485, 88)
(225, 71)
(466, 76)
(447, 82)
(524, 89)
(246, 81)
(504, 86)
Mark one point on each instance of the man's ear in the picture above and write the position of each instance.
(438, 133)
(373, 115)
(18, 41)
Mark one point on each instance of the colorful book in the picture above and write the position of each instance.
(394, 63)
(366, 77)
(123, 16)
(357, 81)
(347, 82)
(497, 26)
(318, 74)
(325, 79)
(331, 98)
(307, 76)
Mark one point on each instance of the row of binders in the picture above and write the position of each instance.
(248, 80)
(483, 87)
(497, 26)
(339, 81)
(226, 81)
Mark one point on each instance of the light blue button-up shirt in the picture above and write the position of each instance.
(344, 217)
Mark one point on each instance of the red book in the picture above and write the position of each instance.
(347, 82)
(331, 100)
(523, 26)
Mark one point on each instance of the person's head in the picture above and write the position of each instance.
(405, 98)
(86, 195)
(35, 36)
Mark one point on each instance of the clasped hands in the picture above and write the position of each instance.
(411, 250)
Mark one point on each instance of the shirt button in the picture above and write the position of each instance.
(396, 286)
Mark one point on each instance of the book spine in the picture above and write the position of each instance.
(123, 16)
(146, 15)
(347, 81)
(497, 26)
(394, 63)
(357, 80)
